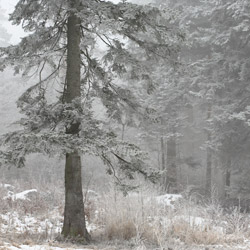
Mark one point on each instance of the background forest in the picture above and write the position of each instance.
(191, 118)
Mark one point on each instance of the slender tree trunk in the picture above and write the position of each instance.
(209, 173)
(228, 179)
(123, 130)
(209, 158)
(74, 216)
(171, 165)
(163, 164)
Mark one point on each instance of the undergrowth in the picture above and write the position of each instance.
(138, 220)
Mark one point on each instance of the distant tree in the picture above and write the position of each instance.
(222, 77)
(232, 115)
(217, 57)
(165, 106)
(86, 40)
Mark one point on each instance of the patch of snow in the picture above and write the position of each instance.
(168, 199)
(92, 193)
(195, 221)
(7, 186)
(91, 227)
(14, 223)
(39, 247)
(20, 196)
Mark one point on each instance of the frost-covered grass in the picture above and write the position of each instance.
(148, 220)
(32, 218)
(15, 246)
(26, 216)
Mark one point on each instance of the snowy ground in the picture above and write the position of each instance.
(38, 247)
(136, 222)
(176, 247)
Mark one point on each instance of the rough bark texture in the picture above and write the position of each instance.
(73, 73)
(74, 217)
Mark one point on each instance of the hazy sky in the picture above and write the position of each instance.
(15, 31)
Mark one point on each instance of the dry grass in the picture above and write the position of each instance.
(125, 231)
(140, 219)
(137, 221)
(195, 235)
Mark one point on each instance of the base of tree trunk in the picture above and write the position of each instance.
(74, 226)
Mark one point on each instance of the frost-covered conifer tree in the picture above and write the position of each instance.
(82, 44)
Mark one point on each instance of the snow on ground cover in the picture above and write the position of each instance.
(20, 196)
(91, 227)
(7, 186)
(177, 247)
(168, 199)
(194, 222)
(52, 225)
(202, 223)
(51, 222)
(38, 247)
(14, 223)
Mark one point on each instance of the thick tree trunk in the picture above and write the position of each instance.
(209, 158)
(74, 217)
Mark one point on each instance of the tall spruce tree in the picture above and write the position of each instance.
(64, 36)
